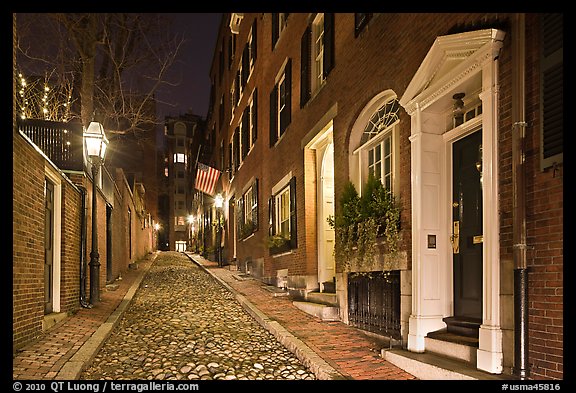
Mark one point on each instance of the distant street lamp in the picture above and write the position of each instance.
(95, 143)
(190, 220)
(218, 203)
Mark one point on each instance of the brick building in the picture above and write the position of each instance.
(52, 200)
(177, 198)
(458, 115)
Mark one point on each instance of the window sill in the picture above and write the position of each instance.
(248, 237)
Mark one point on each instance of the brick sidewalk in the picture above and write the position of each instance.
(46, 356)
(350, 352)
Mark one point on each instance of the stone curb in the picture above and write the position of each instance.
(84, 356)
(321, 369)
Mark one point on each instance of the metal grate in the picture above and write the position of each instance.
(374, 302)
(61, 142)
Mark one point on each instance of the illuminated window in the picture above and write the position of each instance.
(283, 213)
(377, 146)
(180, 158)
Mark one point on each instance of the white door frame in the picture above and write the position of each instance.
(55, 178)
(466, 62)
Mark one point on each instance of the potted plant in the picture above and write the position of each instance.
(364, 222)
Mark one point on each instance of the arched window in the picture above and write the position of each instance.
(374, 142)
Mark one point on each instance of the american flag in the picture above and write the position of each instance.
(206, 178)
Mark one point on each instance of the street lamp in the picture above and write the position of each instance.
(218, 203)
(95, 143)
(190, 220)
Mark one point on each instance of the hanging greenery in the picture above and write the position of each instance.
(363, 220)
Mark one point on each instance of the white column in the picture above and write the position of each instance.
(428, 280)
(489, 354)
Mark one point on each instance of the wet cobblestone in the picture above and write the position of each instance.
(183, 325)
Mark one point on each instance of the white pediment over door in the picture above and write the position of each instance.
(451, 60)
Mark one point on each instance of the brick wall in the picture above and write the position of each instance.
(545, 232)
(70, 248)
(28, 242)
(386, 55)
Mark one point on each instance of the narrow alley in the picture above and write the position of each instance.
(182, 324)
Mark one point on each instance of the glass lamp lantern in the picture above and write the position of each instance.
(95, 141)
(218, 201)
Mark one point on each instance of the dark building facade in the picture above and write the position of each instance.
(458, 115)
(177, 200)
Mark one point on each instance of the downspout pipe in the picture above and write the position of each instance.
(83, 263)
(521, 351)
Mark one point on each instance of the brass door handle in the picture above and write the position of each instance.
(455, 238)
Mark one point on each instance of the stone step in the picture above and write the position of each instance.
(329, 299)
(450, 345)
(430, 366)
(462, 326)
(322, 311)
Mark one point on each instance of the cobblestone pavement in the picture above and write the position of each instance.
(184, 325)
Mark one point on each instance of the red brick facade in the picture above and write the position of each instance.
(28, 242)
(385, 55)
(30, 168)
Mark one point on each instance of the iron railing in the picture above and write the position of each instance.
(61, 142)
(374, 302)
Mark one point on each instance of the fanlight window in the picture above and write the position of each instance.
(383, 118)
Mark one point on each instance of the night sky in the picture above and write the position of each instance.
(193, 66)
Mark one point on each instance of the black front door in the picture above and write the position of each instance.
(467, 227)
(48, 246)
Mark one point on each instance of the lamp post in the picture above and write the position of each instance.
(218, 202)
(95, 143)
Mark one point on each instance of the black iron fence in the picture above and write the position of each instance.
(374, 302)
(61, 142)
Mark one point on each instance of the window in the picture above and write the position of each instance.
(552, 90)
(279, 21)
(377, 145)
(380, 162)
(221, 112)
(234, 152)
(248, 126)
(221, 153)
(221, 67)
(318, 64)
(179, 158)
(280, 104)
(252, 46)
(317, 55)
(282, 213)
(248, 211)
(231, 49)
(282, 202)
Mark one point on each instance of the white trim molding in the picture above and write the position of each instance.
(465, 62)
(56, 179)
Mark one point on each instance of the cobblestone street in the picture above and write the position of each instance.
(182, 324)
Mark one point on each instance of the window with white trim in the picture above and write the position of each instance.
(376, 151)
(179, 158)
(248, 126)
(282, 203)
(282, 214)
(279, 21)
(248, 211)
(318, 46)
(280, 104)
(316, 55)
